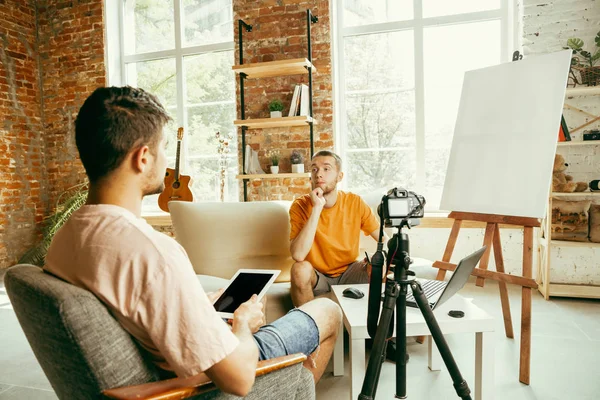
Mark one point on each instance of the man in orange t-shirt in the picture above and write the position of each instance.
(325, 233)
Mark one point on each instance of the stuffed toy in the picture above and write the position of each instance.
(562, 182)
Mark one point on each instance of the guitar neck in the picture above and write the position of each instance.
(177, 161)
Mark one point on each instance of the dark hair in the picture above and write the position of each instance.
(112, 122)
(327, 153)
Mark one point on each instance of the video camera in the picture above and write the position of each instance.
(399, 205)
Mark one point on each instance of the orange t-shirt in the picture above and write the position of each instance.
(337, 239)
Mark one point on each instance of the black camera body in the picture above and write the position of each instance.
(398, 205)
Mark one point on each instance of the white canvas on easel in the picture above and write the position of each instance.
(505, 137)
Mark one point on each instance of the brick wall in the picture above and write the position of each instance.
(71, 49)
(279, 32)
(22, 171)
(548, 24)
(60, 44)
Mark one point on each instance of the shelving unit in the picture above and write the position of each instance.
(296, 66)
(274, 176)
(545, 285)
(272, 69)
(582, 91)
(576, 143)
(274, 122)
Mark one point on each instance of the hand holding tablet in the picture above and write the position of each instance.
(241, 287)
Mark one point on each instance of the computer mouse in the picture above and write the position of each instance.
(353, 293)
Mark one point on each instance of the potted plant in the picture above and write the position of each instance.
(68, 202)
(276, 107)
(585, 62)
(275, 163)
(297, 161)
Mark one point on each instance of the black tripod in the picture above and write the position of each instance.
(395, 294)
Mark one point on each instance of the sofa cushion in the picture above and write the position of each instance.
(221, 238)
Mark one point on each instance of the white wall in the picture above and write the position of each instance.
(547, 24)
(545, 28)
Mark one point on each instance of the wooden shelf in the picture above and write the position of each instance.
(576, 194)
(571, 290)
(270, 69)
(582, 91)
(273, 176)
(567, 243)
(275, 122)
(578, 143)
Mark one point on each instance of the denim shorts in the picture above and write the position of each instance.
(295, 332)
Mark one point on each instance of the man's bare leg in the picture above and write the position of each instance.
(327, 316)
(303, 279)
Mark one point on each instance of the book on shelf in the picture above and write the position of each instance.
(304, 100)
(294, 102)
(563, 132)
(300, 101)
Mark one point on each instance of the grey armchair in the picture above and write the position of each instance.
(86, 354)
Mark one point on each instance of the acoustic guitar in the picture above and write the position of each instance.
(177, 186)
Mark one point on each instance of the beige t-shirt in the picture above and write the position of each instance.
(148, 284)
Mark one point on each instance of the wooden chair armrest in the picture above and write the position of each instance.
(181, 388)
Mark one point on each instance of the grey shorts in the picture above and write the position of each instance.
(356, 273)
(295, 332)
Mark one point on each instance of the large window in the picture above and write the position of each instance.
(182, 51)
(400, 67)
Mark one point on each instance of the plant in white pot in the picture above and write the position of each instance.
(276, 107)
(275, 163)
(297, 161)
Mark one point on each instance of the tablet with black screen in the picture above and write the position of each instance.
(242, 286)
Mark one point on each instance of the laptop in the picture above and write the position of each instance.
(438, 292)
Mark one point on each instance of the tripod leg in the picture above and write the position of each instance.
(401, 343)
(377, 356)
(460, 385)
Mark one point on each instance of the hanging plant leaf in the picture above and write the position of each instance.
(68, 202)
(575, 43)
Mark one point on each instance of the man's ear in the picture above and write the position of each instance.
(140, 159)
(340, 176)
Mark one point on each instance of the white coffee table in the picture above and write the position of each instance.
(475, 321)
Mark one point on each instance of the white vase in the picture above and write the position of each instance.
(298, 168)
(274, 169)
(276, 114)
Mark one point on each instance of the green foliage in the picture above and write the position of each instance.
(210, 86)
(275, 159)
(276, 105)
(589, 58)
(67, 203)
(296, 157)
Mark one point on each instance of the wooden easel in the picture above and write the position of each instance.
(492, 239)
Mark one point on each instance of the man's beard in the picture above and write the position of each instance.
(155, 190)
(327, 188)
(154, 187)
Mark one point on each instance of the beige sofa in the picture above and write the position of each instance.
(221, 238)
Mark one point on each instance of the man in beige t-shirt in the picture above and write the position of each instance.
(145, 278)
